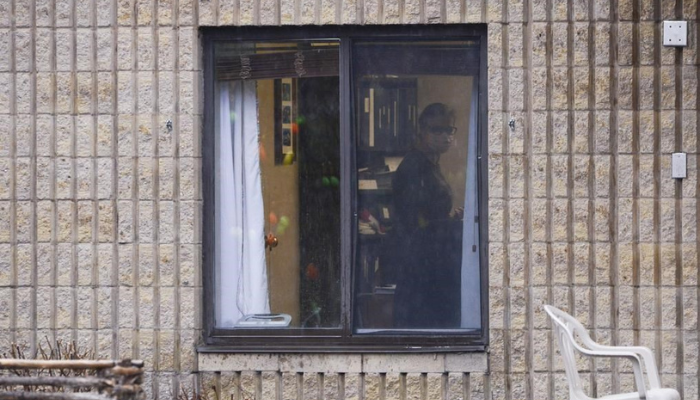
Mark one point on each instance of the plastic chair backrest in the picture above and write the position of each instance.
(564, 327)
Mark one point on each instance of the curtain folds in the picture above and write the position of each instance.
(471, 277)
(240, 250)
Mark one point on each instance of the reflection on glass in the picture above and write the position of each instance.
(277, 193)
(416, 121)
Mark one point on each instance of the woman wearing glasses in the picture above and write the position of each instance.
(427, 229)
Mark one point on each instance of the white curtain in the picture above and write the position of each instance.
(471, 276)
(240, 248)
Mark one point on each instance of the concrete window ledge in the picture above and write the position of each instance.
(346, 363)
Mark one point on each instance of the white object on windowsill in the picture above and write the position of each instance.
(565, 327)
(264, 321)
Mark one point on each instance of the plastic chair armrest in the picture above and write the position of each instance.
(613, 351)
(647, 357)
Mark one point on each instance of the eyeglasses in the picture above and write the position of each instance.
(442, 130)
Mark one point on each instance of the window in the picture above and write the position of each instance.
(344, 189)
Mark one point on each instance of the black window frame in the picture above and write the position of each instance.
(333, 340)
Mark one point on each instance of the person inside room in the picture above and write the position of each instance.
(427, 236)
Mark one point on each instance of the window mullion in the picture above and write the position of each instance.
(347, 200)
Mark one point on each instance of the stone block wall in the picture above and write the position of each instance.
(100, 204)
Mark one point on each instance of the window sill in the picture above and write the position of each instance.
(368, 362)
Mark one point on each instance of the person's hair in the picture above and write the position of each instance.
(434, 110)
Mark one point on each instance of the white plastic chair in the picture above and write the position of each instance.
(565, 326)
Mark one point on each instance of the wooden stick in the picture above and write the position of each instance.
(55, 381)
(126, 370)
(66, 364)
(51, 396)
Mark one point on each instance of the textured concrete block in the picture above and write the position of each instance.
(105, 92)
(105, 265)
(84, 297)
(189, 265)
(84, 257)
(496, 308)
(105, 221)
(495, 83)
(44, 92)
(124, 92)
(64, 264)
(23, 221)
(23, 178)
(105, 167)
(85, 221)
(516, 179)
(559, 92)
(516, 219)
(516, 89)
(646, 88)
(23, 264)
(125, 264)
(84, 170)
(624, 131)
(5, 79)
(145, 178)
(146, 265)
(166, 222)
(518, 298)
(166, 178)
(166, 264)
(189, 136)
(560, 132)
(167, 310)
(560, 259)
(186, 96)
(516, 257)
(146, 93)
(104, 136)
(559, 225)
(5, 183)
(188, 305)
(125, 177)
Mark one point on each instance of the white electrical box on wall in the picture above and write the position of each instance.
(675, 33)
(678, 166)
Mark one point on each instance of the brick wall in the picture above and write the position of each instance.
(100, 205)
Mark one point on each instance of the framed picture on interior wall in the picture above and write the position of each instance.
(286, 138)
(286, 91)
(285, 121)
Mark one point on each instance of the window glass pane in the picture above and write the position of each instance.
(277, 191)
(417, 261)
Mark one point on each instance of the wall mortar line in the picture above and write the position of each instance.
(590, 188)
(657, 173)
(527, 194)
(74, 172)
(549, 54)
(678, 147)
(52, 182)
(12, 203)
(94, 279)
(155, 190)
(697, 168)
(570, 248)
(33, 171)
(176, 190)
(504, 70)
(116, 341)
(613, 190)
(135, 324)
(636, 256)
